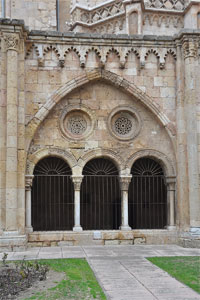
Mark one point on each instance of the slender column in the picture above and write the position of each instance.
(11, 43)
(28, 186)
(124, 181)
(190, 47)
(77, 180)
(171, 203)
(182, 215)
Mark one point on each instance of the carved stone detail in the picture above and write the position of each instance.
(124, 182)
(190, 48)
(28, 182)
(77, 124)
(77, 180)
(11, 42)
(166, 4)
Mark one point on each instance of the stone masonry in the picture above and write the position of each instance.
(99, 58)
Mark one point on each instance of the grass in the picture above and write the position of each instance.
(80, 283)
(186, 269)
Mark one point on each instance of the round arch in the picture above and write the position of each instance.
(161, 158)
(90, 76)
(34, 158)
(103, 153)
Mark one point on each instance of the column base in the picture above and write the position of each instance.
(171, 228)
(77, 229)
(29, 229)
(125, 228)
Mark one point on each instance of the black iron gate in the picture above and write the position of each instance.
(52, 196)
(100, 196)
(147, 196)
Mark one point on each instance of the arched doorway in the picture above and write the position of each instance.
(147, 195)
(52, 196)
(100, 196)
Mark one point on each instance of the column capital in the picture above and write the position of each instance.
(77, 180)
(11, 42)
(190, 48)
(171, 181)
(28, 181)
(125, 181)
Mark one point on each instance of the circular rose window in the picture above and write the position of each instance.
(76, 122)
(124, 123)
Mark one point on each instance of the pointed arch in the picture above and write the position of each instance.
(90, 76)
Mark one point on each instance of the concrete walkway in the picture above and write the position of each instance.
(123, 271)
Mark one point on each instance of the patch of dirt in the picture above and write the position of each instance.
(53, 278)
(22, 280)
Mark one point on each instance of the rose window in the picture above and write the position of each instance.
(123, 125)
(77, 125)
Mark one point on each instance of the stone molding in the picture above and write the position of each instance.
(190, 48)
(124, 182)
(166, 163)
(92, 154)
(77, 180)
(11, 42)
(35, 157)
(91, 76)
(102, 53)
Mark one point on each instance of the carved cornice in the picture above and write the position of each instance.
(77, 180)
(11, 42)
(190, 48)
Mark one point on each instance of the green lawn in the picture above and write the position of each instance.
(80, 283)
(186, 269)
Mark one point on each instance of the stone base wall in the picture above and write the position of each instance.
(134, 237)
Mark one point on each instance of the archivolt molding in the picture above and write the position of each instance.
(35, 157)
(106, 153)
(160, 157)
(91, 76)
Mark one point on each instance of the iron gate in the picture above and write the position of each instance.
(147, 196)
(100, 196)
(52, 196)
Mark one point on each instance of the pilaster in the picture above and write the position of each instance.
(190, 47)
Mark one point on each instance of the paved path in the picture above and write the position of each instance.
(123, 271)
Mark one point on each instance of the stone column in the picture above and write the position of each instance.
(11, 41)
(77, 180)
(190, 47)
(124, 183)
(182, 215)
(171, 202)
(28, 186)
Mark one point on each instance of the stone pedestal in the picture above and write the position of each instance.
(124, 181)
(77, 180)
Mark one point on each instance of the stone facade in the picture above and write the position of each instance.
(118, 79)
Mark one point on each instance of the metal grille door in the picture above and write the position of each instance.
(52, 196)
(100, 196)
(147, 196)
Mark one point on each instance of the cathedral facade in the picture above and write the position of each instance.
(99, 122)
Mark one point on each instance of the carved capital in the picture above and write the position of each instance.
(171, 181)
(11, 42)
(28, 182)
(77, 180)
(190, 48)
(124, 182)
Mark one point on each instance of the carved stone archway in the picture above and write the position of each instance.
(90, 76)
